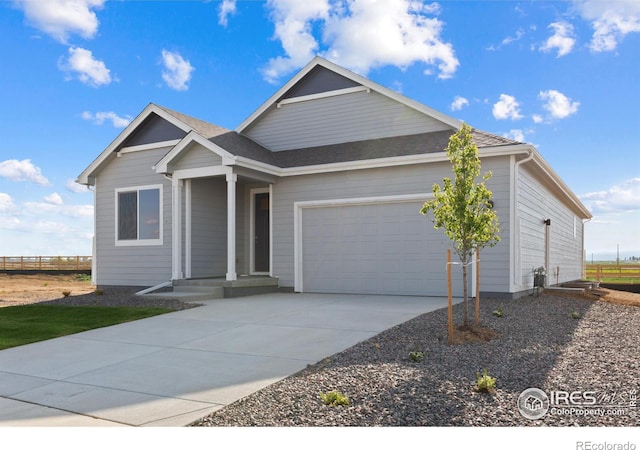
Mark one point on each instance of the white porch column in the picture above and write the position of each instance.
(232, 178)
(176, 226)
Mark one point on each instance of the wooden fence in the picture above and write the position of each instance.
(627, 272)
(44, 263)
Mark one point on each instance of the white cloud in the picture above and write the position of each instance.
(611, 21)
(458, 103)
(294, 21)
(100, 117)
(54, 199)
(509, 39)
(516, 135)
(537, 118)
(227, 8)
(49, 208)
(89, 70)
(360, 35)
(620, 198)
(177, 70)
(75, 187)
(562, 39)
(61, 18)
(558, 104)
(23, 170)
(507, 108)
(6, 203)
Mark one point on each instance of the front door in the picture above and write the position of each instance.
(261, 233)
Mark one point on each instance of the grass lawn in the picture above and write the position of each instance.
(21, 325)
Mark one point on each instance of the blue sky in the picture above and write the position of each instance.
(562, 75)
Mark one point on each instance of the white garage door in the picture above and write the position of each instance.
(386, 248)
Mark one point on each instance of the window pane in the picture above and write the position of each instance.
(149, 214)
(127, 215)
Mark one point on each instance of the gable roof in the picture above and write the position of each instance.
(296, 83)
(86, 177)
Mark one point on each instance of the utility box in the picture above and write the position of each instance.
(539, 277)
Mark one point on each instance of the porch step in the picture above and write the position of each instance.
(198, 289)
(243, 286)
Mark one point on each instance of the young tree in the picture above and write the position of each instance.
(463, 207)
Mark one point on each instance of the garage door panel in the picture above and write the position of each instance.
(384, 248)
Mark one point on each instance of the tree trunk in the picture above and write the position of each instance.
(466, 294)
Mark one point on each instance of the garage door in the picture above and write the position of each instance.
(382, 248)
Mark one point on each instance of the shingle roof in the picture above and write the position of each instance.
(414, 144)
(205, 129)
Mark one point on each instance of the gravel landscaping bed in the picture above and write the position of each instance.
(540, 345)
(120, 297)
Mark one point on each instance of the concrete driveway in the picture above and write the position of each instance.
(172, 369)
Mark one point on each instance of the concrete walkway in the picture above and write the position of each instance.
(172, 369)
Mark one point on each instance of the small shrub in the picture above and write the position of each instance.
(575, 315)
(99, 292)
(416, 355)
(66, 293)
(498, 312)
(485, 382)
(46, 284)
(83, 277)
(334, 398)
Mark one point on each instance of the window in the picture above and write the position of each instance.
(139, 215)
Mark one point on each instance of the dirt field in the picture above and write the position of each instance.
(27, 289)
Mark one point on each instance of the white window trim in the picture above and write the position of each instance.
(138, 242)
(298, 208)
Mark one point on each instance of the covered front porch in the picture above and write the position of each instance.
(220, 214)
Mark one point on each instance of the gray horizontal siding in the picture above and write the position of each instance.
(344, 118)
(196, 157)
(130, 265)
(399, 180)
(208, 227)
(535, 204)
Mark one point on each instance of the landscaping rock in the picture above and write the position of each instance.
(539, 345)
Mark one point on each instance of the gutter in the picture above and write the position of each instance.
(516, 216)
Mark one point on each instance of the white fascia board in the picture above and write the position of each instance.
(152, 146)
(248, 163)
(163, 165)
(86, 176)
(335, 93)
(201, 172)
(421, 158)
(486, 152)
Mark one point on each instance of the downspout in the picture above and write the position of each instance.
(516, 216)
(584, 251)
